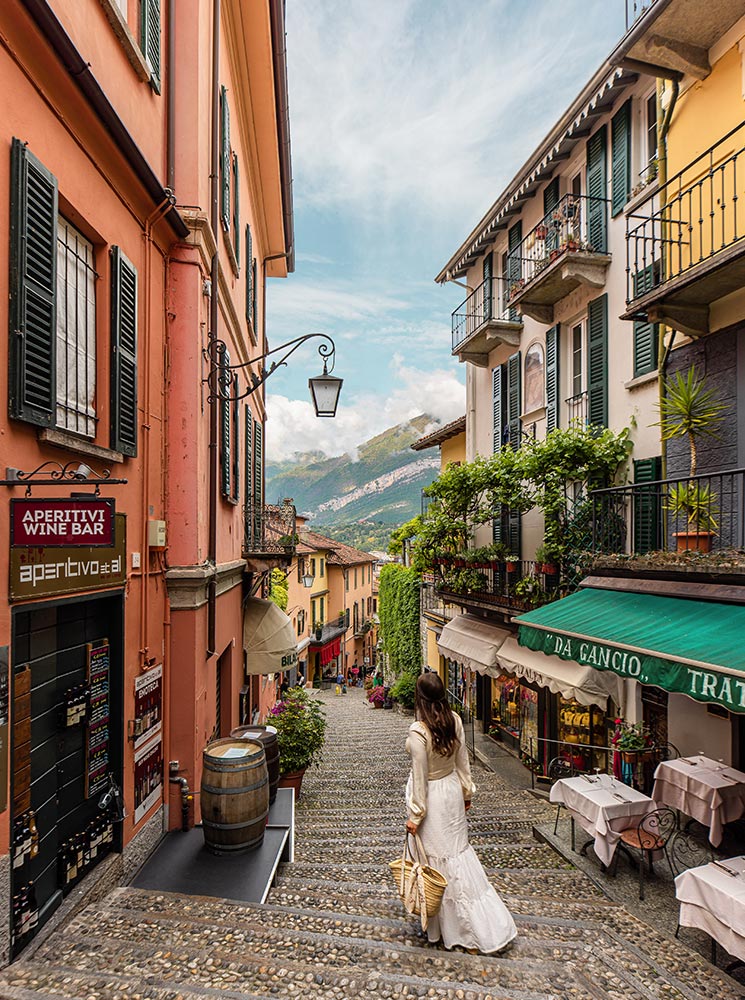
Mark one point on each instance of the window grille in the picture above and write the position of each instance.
(76, 331)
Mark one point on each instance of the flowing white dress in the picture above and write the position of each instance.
(472, 915)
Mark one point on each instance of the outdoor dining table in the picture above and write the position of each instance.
(603, 807)
(712, 898)
(702, 788)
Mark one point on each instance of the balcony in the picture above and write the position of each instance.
(510, 587)
(567, 249)
(685, 523)
(685, 244)
(577, 409)
(269, 535)
(484, 320)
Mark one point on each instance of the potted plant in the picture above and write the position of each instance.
(377, 696)
(689, 410)
(529, 591)
(301, 729)
(541, 232)
(633, 741)
(510, 563)
(546, 559)
(403, 691)
(318, 631)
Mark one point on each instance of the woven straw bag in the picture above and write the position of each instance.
(419, 885)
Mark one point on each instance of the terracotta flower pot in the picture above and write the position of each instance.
(693, 541)
(510, 567)
(293, 779)
(637, 756)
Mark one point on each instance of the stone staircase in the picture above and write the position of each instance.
(334, 928)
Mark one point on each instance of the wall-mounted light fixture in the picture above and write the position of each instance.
(324, 388)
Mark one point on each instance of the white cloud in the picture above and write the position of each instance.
(312, 258)
(338, 300)
(293, 427)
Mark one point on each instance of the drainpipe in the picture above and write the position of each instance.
(186, 798)
(663, 349)
(213, 334)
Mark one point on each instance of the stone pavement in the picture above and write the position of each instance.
(333, 927)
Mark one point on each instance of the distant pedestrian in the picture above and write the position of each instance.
(301, 679)
(284, 687)
(438, 796)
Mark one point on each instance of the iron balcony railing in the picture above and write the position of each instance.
(431, 601)
(635, 9)
(690, 219)
(485, 303)
(578, 224)
(577, 409)
(518, 585)
(269, 529)
(702, 513)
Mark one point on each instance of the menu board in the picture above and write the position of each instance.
(97, 741)
(148, 776)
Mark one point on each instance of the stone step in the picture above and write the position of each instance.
(315, 975)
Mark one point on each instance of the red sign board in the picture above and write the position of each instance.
(46, 523)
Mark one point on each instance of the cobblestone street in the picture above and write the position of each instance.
(334, 927)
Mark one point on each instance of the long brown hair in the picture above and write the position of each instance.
(433, 710)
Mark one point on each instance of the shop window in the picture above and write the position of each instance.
(506, 704)
(581, 729)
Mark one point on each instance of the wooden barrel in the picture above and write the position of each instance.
(267, 736)
(234, 795)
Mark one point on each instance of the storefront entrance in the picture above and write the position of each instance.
(66, 692)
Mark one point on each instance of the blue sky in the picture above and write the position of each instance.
(408, 118)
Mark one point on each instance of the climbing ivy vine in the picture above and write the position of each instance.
(398, 608)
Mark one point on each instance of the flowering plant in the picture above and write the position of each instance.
(377, 695)
(631, 736)
(301, 730)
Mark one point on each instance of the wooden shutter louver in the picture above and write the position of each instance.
(123, 354)
(236, 494)
(620, 158)
(513, 400)
(150, 35)
(499, 402)
(646, 334)
(552, 378)
(248, 482)
(254, 296)
(488, 270)
(225, 453)
(597, 361)
(236, 211)
(225, 160)
(258, 493)
(596, 191)
(647, 521)
(33, 288)
(249, 275)
(550, 202)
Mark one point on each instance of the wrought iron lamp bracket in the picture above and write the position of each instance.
(220, 376)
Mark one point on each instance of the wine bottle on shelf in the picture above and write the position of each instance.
(34, 834)
(33, 909)
(26, 836)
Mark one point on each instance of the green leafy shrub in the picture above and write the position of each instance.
(301, 730)
(404, 689)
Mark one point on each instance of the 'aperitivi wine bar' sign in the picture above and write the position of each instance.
(60, 522)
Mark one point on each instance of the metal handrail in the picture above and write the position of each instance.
(488, 301)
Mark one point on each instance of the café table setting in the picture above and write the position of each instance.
(708, 791)
(603, 807)
(712, 899)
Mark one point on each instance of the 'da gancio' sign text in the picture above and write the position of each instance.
(62, 522)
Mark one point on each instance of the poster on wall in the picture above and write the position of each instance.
(97, 735)
(148, 776)
(148, 705)
(4, 713)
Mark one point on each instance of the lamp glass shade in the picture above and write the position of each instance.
(308, 579)
(324, 391)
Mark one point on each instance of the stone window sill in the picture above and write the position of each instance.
(71, 442)
(645, 379)
(131, 48)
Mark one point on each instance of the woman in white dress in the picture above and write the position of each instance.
(438, 795)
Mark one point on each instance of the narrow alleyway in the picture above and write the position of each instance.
(335, 929)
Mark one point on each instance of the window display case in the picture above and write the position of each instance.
(580, 728)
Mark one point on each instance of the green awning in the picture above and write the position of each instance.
(696, 648)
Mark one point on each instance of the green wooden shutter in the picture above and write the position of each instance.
(597, 361)
(123, 354)
(150, 39)
(647, 519)
(513, 399)
(646, 335)
(550, 202)
(514, 532)
(552, 378)
(514, 263)
(597, 192)
(236, 211)
(225, 454)
(249, 274)
(248, 481)
(499, 402)
(488, 270)
(258, 464)
(254, 297)
(236, 444)
(620, 129)
(33, 285)
(225, 163)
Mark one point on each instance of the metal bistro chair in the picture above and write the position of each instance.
(688, 851)
(653, 833)
(559, 768)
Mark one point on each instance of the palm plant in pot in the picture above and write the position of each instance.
(689, 410)
(301, 730)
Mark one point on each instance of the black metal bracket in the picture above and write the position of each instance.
(220, 376)
(55, 474)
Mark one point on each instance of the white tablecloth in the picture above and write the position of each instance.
(714, 901)
(603, 807)
(711, 793)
